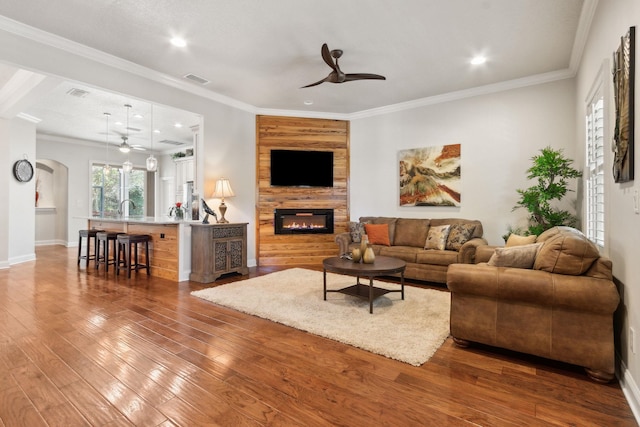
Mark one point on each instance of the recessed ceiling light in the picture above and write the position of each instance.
(118, 123)
(308, 102)
(138, 116)
(178, 42)
(156, 131)
(178, 125)
(477, 60)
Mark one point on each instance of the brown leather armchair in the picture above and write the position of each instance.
(561, 309)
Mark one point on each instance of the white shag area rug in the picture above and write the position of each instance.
(409, 330)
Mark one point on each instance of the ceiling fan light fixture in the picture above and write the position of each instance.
(124, 147)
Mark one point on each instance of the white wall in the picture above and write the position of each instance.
(611, 21)
(5, 165)
(498, 133)
(22, 195)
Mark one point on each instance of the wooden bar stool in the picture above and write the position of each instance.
(125, 243)
(104, 238)
(89, 235)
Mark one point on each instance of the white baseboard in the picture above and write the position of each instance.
(630, 390)
(51, 242)
(22, 258)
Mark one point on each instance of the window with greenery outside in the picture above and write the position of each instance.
(112, 186)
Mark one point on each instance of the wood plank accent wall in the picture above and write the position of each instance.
(292, 133)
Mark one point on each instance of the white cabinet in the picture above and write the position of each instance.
(184, 174)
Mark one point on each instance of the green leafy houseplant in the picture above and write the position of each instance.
(552, 170)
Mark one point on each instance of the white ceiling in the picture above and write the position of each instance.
(261, 52)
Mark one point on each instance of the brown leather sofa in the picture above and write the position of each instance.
(560, 309)
(407, 238)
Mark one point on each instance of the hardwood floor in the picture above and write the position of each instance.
(81, 348)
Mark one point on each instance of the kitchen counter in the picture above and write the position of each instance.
(170, 246)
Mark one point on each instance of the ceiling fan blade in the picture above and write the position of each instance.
(363, 76)
(138, 147)
(326, 55)
(316, 83)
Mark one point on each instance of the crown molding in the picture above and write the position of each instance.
(303, 113)
(467, 93)
(582, 33)
(113, 61)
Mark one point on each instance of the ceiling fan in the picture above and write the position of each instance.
(337, 76)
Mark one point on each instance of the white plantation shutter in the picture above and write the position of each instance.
(595, 170)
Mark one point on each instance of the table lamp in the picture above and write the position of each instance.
(222, 190)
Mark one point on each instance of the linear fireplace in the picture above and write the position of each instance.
(303, 221)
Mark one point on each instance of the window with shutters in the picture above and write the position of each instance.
(595, 188)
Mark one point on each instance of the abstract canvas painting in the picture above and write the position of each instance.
(430, 176)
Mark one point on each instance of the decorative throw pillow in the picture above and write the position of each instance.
(378, 234)
(459, 234)
(517, 240)
(356, 229)
(522, 256)
(437, 237)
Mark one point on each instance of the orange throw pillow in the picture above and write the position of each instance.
(378, 234)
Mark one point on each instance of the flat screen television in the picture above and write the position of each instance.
(297, 168)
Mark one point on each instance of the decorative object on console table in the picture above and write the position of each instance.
(208, 211)
(222, 190)
(177, 211)
(217, 249)
(623, 86)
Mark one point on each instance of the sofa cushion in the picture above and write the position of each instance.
(437, 237)
(382, 220)
(411, 232)
(477, 232)
(378, 234)
(405, 253)
(437, 257)
(356, 229)
(459, 234)
(567, 252)
(516, 240)
(521, 256)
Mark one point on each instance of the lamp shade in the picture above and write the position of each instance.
(223, 189)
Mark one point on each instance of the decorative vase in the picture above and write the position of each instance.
(369, 257)
(356, 255)
(364, 242)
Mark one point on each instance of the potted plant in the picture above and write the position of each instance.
(552, 170)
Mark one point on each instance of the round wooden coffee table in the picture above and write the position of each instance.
(382, 266)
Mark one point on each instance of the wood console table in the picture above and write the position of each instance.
(218, 249)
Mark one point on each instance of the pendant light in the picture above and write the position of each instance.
(152, 162)
(126, 166)
(107, 166)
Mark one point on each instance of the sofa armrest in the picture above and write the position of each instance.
(534, 287)
(484, 252)
(467, 253)
(343, 240)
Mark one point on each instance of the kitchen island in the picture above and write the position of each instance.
(170, 245)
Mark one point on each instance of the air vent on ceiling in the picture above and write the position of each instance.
(79, 93)
(196, 79)
(170, 142)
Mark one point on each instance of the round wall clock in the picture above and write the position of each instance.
(23, 170)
